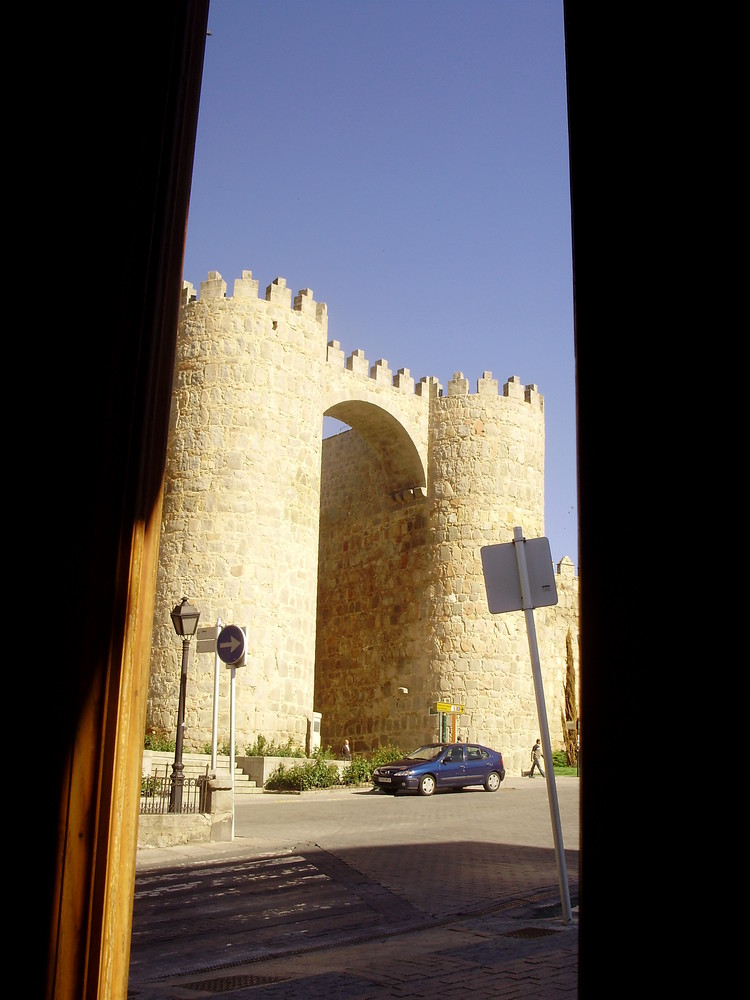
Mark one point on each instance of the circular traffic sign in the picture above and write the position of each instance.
(231, 644)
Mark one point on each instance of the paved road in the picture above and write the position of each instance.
(356, 894)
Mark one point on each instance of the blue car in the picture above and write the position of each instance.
(438, 766)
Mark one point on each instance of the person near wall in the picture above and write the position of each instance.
(346, 752)
(536, 758)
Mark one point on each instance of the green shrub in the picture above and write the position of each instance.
(148, 786)
(282, 778)
(561, 766)
(221, 748)
(262, 748)
(158, 740)
(321, 774)
(257, 749)
(385, 754)
(359, 772)
(317, 773)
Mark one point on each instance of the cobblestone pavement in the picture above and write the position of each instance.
(353, 894)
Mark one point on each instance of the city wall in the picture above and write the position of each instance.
(352, 561)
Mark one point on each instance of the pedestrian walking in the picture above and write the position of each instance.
(346, 752)
(536, 758)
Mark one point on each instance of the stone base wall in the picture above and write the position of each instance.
(214, 826)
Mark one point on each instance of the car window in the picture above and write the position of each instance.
(473, 753)
(455, 755)
(425, 753)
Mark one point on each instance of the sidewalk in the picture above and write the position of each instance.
(350, 915)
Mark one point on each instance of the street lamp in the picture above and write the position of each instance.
(185, 619)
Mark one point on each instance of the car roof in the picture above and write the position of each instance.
(446, 745)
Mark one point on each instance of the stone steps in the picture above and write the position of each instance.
(195, 766)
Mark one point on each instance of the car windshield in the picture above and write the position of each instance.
(426, 753)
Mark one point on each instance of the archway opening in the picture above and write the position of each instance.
(372, 569)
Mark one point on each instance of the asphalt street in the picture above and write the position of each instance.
(351, 893)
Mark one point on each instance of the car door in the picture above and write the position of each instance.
(452, 770)
(477, 765)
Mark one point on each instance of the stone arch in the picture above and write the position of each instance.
(373, 570)
(402, 464)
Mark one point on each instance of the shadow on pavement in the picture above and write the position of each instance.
(194, 921)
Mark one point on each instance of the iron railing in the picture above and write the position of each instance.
(157, 795)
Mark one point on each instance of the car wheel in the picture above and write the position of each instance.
(426, 785)
(492, 782)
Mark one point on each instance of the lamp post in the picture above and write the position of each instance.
(185, 619)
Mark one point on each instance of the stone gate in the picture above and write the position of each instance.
(353, 561)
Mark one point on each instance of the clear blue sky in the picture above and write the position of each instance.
(407, 160)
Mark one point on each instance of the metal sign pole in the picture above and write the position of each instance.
(554, 808)
(231, 725)
(231, 647)
(215, 722)
(231, 740)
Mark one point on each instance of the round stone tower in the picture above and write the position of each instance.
(240, 520)
(487, 476)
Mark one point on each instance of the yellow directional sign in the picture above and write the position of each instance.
(446, 706)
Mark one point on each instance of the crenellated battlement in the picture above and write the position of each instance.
(488, 386)
(380, 372)
(214, 289)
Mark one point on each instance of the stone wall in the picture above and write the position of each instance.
(354, 563)
(216, 825)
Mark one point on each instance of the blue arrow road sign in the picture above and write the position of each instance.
(231, 644)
